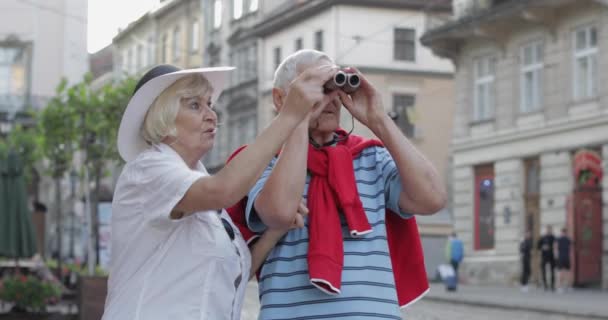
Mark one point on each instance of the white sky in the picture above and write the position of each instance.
(106, 16)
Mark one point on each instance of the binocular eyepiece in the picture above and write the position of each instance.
(347, 82)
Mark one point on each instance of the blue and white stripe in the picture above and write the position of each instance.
(368, 287)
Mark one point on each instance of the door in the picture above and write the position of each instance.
(588, 236)
(532, 211)
(484, 207)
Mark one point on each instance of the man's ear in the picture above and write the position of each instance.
(277, 98)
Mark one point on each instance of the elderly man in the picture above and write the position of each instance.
(339, 265)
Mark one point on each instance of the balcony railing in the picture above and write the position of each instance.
(12, 104)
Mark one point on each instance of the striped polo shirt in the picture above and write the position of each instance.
(368, 286)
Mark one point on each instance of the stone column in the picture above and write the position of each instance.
(463, 205)
(556, 184)
(508, 204)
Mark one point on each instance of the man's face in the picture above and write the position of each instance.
(328, 120)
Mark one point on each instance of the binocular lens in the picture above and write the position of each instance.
(354, 80)
(340, 78)
(348, 82)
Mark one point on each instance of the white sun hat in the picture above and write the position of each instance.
(130, 141)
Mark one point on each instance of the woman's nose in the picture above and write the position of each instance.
(210, 115)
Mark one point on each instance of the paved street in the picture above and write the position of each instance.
(494, 303)
(433, 310)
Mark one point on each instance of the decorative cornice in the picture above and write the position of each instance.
(298, 11)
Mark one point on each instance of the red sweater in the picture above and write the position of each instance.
(332, 170)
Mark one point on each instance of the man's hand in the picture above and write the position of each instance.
(297, 223)
(365, 104)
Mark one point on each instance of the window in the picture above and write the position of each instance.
(253, 5)
(243, 127)
(531, 57)
(125, 61)
(164, 48)
(483, 105)
(298, 44)
(319, 40)
(13, 61)
(405, 44)
(484, 207)
(277, 57)
(217, 14)
(585, 63)
(214, 58)
(140, 57)
(403, 113)
(194, 36)
(130, 64)
(175, 46)
(251, 65)
(237, 9)
(150, 46)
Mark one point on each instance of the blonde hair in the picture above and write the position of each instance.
(159, 122)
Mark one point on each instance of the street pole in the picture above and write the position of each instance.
(90, 248)
(73, 180)
(59, 227)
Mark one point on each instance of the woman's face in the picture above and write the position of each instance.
(196, 124)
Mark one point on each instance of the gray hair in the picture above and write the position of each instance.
(288, 69)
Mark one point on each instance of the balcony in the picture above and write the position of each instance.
(15, 108)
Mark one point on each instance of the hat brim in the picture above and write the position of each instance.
(130, 142)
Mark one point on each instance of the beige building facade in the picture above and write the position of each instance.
(227, 42)
(170, 33)
(529, 140)
(37, 48)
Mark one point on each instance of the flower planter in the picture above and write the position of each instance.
(36, 316)
(91, 297)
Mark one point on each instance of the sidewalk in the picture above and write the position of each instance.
(582, 302)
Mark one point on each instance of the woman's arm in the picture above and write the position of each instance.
(262, 247)
(233, 182)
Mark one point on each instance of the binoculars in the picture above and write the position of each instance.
(347, 82)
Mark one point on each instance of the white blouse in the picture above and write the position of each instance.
(171, 269)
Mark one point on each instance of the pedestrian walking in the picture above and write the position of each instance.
(525, 251)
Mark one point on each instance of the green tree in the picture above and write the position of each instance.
(26, 142)
(57, 129)
(99, 113)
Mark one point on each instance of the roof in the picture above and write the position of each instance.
(449, 36)
(293, 12)
(159, 9)
(131, 26)
(488, 14)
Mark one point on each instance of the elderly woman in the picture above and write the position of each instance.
(175, 252)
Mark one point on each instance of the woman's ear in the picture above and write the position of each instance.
(277, 98)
